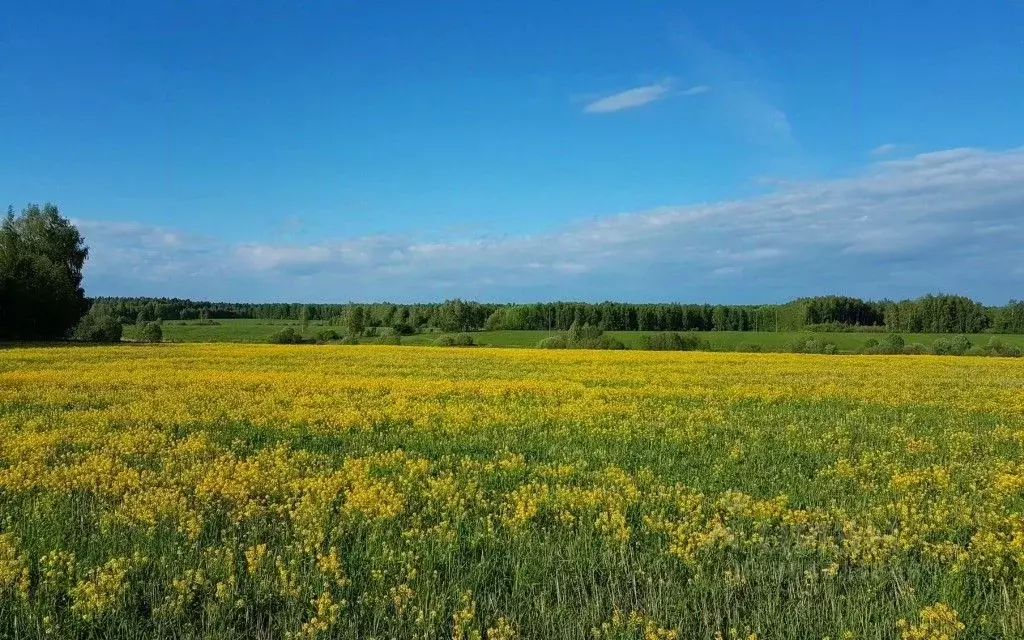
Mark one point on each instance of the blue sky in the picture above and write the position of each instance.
(328, 151)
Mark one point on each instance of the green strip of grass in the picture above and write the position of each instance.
(261, 330)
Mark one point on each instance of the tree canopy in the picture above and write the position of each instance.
(931, 313)
(41, 260)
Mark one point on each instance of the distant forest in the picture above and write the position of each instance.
(927, 314)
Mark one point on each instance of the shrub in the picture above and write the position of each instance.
(589, 332)
(668, 342)
(349, 340)
(389, 336)
(956, 346)
(996, 347)
(403, 328)
(870, 346)
(607, 342)
(693, 343)
(457, 340)
(915, 349)
(97, 327)
(813, 345)
(748, 347)
(800, 345)
(327, 335)
(583, 337)
(553, 342)
(152, 332)
(286, 336)
(590, 337)
(598, 342)
(960, 344)
(575, 334)
(892, 343)
(371, 332)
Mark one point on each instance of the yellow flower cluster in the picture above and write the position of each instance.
(633, 625)
(372, 491)
(101, 591)
(937, 622)
(13, 568)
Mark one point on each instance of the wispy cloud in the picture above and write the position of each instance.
(628, 99)
(695, 91)
(899, 226)
(884, 149)
(747, 100)
(639, 96)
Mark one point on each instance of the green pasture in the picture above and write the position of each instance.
(261, 330)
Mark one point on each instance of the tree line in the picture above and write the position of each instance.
(928, 314)
(450, 316)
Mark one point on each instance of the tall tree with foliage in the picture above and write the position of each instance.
(456, 315)
(356, 320)
(41, 259)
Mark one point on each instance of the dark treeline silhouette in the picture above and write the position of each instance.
(927, 314)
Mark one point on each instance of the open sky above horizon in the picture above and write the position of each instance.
(735, 152)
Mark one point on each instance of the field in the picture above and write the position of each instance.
(261, 491)
(260, 331)
(219, 331)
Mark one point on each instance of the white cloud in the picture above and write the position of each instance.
(695, 91)
(884, 149)
(950, 220)
(638, 97)
(261, 257)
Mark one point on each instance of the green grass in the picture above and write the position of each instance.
(221, 330)
(260, 331)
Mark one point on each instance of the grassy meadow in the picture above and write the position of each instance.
(263, 491)
(254, 331)
(243, 330)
